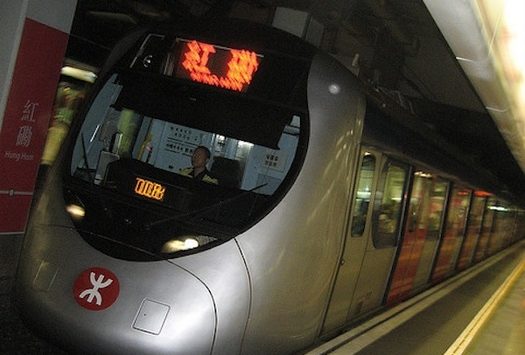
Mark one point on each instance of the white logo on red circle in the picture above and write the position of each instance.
(96, 289)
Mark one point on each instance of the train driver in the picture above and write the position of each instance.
(197, 170)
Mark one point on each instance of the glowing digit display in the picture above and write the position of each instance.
(149, 189)
(226, 68)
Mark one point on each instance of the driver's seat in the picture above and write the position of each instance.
(227, 171)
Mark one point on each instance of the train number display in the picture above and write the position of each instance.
(149, 189)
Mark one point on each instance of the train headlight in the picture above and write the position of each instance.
(185, 242)
(76, 212)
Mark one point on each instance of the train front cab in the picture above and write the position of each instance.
(123, 253)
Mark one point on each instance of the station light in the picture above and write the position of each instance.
(488, 39)
(80, 74)
(503, 22)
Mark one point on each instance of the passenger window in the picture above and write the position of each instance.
(427, 199)
(438, 198)
(362, 195)
(418, 205)
(457, 215)
(387, 212)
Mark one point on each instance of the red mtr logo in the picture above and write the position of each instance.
(96, 289)
(240, 68)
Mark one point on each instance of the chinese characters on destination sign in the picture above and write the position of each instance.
(206, 64)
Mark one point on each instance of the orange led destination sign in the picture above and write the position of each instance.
(149, 189)
(227, 68)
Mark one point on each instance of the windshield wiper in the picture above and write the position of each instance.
(193, 214)
(135, 248)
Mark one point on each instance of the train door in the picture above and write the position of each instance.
(475, 220)
(438, 202)
(356, 242)
(454, 232)
(420, 236)
(486, 230)
(519, 228)
(370, 247)
(502, 221)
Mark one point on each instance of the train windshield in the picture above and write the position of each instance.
(165, 167)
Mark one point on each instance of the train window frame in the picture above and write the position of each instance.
(380, 239)
(358, 230)
(76, 187)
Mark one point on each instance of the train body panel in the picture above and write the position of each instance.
(292, 268)
(223, 271)
(357, 239)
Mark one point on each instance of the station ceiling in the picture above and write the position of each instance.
(393, 44)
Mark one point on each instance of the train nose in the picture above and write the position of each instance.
(103, 305)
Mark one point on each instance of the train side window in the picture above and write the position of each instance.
(457, 215)
(389, 204)
(362, 195)
(438, 197)
(419, 201)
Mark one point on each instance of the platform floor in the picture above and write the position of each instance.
(480, 312)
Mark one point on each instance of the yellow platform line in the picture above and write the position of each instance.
(470, 332)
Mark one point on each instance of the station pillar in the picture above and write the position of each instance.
(33, 38)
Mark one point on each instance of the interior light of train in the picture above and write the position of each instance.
(423, 174)
(75, 211)
(149, 189)
(227, 68)
(245, 145)
(364, 194)
(498, 208)
(175, 245)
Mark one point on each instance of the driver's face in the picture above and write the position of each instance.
(199, 158)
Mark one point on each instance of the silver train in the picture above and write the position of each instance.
(302, 229)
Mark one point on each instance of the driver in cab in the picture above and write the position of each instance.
(197, 170)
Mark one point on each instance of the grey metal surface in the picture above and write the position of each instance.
(292, 253)
(223, 271)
